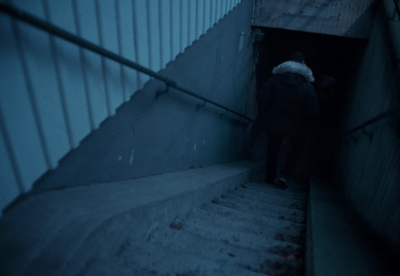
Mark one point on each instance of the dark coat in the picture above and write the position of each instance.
(287, 102)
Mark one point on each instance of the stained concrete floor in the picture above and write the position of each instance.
(208, 221)
(219, 220)
(251, 230)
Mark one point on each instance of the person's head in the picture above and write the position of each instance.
(298, 57)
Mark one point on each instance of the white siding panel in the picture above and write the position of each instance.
(119, 35)
(214, 11)
(192, 22)
(175, 28)
(60, 12)
(128, 49)
(165, 29)
(110, 42)
(87, 19)
(126, 25)
(9, 186)
(40, 67)
(96, 87)
(141, 37)
(154, 35)
(17, 110)
(33, 7)
(207, 15)
(56, 92)
(184, 22)
(71, 74)
(96, 84)
(199, 18)
(219, 10)
(71, 77)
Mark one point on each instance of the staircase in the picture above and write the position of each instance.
(202, 221)
(253, 229)
(218, 220)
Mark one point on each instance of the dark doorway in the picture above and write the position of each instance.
(336, 57)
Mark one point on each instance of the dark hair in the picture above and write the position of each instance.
(297, 56)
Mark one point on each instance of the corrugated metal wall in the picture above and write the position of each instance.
(53, 94)
(369, 168)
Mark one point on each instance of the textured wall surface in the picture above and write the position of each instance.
(55, 93)
(149, 136)
(369, 168)
(337, 17)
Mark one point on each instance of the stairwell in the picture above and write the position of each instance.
(219, 220)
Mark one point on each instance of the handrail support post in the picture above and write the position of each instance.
(201, 105)
(162, 92)
(222, 114)
(370, 135)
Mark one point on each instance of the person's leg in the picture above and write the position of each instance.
(273, 150)
(293, 156)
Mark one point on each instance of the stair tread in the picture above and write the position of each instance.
(127, 227)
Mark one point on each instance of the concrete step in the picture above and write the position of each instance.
(41, 234)
(220, 220)
(272, 210)
(208, 221)
(211, 239)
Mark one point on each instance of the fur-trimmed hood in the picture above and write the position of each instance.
(294, 67)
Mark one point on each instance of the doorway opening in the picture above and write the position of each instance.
(337, 58)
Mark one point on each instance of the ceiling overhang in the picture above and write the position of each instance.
(347, 18)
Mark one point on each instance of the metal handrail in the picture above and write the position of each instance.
(383, 115)
(59, 32)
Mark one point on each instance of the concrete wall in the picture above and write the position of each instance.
(149, 136)
(55, 94)
(369, 168)
(332, 17)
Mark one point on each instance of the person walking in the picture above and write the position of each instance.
(288, 103)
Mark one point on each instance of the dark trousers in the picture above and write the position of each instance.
(273, 153)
